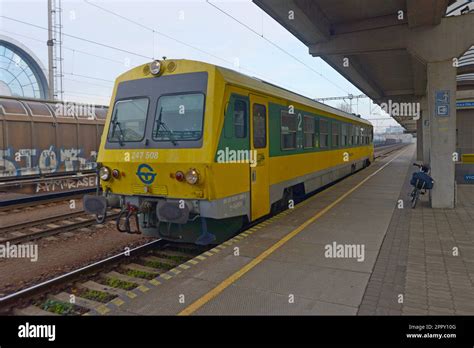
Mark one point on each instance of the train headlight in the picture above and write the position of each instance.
(155, 67)
(192, 176)
(104, 173)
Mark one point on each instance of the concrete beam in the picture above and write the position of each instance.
(453, 37)
(418, 41)
(356, 74)
(425, 12)
(402, 98)
(367, 24)
(383, 39)
(418, 69)
(308, 23)
(390, 93)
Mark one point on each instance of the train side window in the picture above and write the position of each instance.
(349, 134)
(344, 127)
(308, 129)
(259, 126)
(335, 134)
(240, 118)
(324, 133)
(288, 131)
(316, 132)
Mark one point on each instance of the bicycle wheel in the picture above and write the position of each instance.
(414, 199)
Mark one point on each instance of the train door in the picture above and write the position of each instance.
(259, 176)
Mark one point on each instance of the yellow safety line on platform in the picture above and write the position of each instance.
(231, 279)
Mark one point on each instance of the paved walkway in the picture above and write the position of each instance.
(295, 275)
(409, 263)
(427, 257)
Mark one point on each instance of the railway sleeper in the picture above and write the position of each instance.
(94, 286)
(143, 271)
(187, 250)
(79, 301)
(32, 310)
(160, 262)
(174, 254)
(126, 278)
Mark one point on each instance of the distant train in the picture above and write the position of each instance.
(194, 151)
(39, 137)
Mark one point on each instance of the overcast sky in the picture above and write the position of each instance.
(196, 23)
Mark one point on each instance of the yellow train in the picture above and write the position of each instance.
(192, 151)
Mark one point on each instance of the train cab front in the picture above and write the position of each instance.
(154, 163)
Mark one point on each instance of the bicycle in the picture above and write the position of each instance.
(421, 182)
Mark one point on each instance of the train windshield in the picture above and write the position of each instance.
(179, 117)
(128, 120)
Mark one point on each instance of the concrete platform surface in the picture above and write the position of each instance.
(347, 250)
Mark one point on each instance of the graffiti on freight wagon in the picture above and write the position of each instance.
(20, 162)
(66, 184)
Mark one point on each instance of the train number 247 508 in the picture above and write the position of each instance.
(140, 156)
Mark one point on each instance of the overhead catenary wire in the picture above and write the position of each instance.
(80, 38)
(88, 77)
(87, 83)
(159, 33)
(155, 31)
(65, 47)
(115, 48)
(275, 45)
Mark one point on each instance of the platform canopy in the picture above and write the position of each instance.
(368, 42)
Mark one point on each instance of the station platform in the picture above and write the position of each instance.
(348, 250)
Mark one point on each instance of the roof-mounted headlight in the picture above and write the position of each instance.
(155, 67)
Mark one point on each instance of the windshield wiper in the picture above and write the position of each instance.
(121, 135)
(165, 127)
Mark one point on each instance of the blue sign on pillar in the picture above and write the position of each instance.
(442, 100)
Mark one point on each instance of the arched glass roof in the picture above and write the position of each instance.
(20, 73)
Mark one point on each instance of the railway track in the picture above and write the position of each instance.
(49, 226)
(91, 289)
(15, 188)
(96, 286)
(27, 200)
(387, 149)
(35, 205)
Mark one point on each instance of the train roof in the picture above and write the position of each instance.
(236, 78)
(251, 82)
